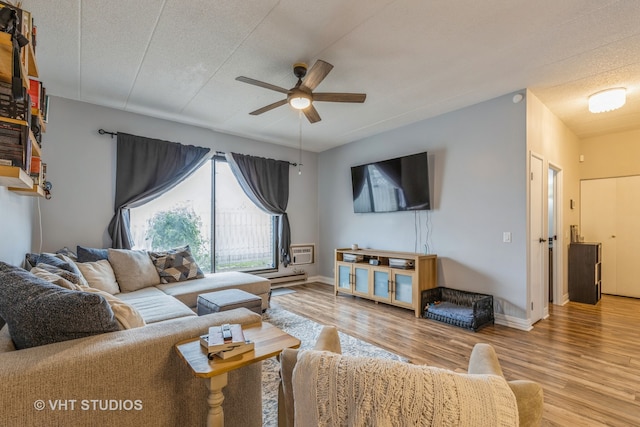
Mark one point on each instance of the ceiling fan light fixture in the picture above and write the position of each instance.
(299, 102)
(607, 100)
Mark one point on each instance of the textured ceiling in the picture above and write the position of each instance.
(414, 59)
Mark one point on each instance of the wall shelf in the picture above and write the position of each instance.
(34, 191)
(13, 176)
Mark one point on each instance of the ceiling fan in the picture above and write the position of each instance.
(301, 96)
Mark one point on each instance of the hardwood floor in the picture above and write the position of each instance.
(587, 358)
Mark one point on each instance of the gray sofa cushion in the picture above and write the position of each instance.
(187, 292)
(38, 312)
(154, 305)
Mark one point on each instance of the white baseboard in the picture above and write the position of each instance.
(322, 279)
(318, 279)
(288, 284)
(513, 322)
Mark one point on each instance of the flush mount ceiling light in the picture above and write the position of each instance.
(607, 100)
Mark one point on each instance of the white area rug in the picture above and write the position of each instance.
(307, 332)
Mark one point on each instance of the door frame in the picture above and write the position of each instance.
(559, 245)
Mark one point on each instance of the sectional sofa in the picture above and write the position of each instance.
(72, 354)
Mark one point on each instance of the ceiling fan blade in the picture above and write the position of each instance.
(268, 107)
(312, 114)
(262, 84)
(316, 74)
(339, 97)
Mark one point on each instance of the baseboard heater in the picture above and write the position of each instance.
(285, 278)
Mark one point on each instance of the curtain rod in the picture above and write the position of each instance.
(222, 153)
(102, 132)
(217, 153)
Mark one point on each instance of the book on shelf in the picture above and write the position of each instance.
(35, 92)
(226, 341)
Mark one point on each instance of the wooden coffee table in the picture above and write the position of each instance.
(269, 341)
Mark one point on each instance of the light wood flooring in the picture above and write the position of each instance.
(587, 358)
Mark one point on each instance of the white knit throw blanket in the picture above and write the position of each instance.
(335, 390)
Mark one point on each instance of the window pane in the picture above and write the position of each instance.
(244, 234)
(179, 217)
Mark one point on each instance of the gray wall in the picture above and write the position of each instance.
(479, 172)
(81, 165)
(17, 215)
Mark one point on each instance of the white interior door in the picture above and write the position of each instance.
(627, 236)
(598, 224)
(538, 245)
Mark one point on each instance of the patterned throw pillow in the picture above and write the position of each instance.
(65, 274)
(45, 258)
(176, 265)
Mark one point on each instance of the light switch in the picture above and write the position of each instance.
(506, 237)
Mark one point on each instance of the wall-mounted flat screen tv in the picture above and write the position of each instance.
(400, 184)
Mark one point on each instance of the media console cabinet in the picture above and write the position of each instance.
(396, 278)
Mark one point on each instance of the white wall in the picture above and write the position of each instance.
(611, 155)
(81, 165)
(17, 214)
(480, 192)
(550, 138)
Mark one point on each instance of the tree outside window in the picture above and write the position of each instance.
(177, 227)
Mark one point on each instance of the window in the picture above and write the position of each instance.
(245, 236)
(210, 199)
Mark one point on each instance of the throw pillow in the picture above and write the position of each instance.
(65, 274)
(54, 278)
(176, 265)
(74, 267)
(134, 269)
(91, 254)
(126, 315)
(51, 259)
(100, 275)
(67, 252)
(39, 313)
(8, 267)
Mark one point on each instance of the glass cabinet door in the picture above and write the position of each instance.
(361, 280)
(403, 289)
(381, 284)
(344, 277)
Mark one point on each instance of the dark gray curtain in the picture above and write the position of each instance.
(147, 168)
(358, 179)
(266, 183)
(413, 180)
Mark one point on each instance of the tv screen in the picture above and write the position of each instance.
(400, 184)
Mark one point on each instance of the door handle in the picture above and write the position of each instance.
(541, 240)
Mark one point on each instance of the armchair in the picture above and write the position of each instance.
(521, 400)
